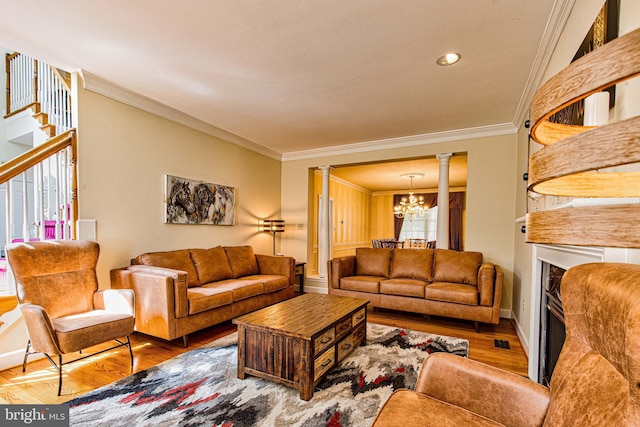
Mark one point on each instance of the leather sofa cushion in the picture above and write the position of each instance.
(271, 282)
(373, 261)
(242, 261)
(369, 284)
(403, 287)
(413, 264)
(205, 298)
(240, 288)
(452, 292)
(211, 264)
(457, 267)
(175, 260)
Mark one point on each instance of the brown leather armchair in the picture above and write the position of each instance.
(59, 299)
(595, 381)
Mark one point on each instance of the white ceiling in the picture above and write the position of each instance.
(296, 75)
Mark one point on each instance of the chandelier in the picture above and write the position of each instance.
(413, 207)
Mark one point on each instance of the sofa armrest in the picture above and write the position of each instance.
(491, 392)
(157, 289)
(280, 265)
(486, 283)
(340, 267)
(115, 301)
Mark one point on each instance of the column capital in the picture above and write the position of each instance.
(325, 168)
(444, 156)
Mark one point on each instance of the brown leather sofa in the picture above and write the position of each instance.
(427, 281)
(594, 383)
(182, 291)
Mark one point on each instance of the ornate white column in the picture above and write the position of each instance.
(442, 239)
(324, 236)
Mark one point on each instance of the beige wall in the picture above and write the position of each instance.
(382, 224)
(124, 154)
(350, 219)
(490, 203)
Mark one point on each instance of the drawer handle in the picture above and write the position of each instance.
(360, 317)
(346, 346)
(326, 340)
(325, 364)
(360, 334)
(343, 327)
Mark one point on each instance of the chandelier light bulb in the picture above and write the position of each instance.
(411, 208)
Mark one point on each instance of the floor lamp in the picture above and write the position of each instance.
(273, 226)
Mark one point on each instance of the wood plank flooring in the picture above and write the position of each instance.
(39, 384)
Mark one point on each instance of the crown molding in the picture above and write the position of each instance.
(405, 141)
(555, 25)
(417, 191)
(111, 90)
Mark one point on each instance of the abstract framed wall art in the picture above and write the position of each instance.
(188, 201)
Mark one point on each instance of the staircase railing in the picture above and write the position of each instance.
(35, 84)
(41, 192)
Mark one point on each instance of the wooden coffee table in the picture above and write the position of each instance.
(296, 342)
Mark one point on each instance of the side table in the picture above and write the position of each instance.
(299, 275)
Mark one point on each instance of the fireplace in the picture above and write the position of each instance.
(547, 316)
(552, 330)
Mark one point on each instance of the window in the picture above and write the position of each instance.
(421, 228)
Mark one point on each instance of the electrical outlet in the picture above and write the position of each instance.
(524, 305)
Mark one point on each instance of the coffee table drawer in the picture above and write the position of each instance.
(325, 340)
(343, 327)
(359, 316)
(350, 342)
(323, 363)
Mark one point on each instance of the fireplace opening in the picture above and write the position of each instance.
(552, 328)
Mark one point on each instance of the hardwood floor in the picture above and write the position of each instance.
(39, 384)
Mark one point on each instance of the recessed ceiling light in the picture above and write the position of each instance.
(449, 58)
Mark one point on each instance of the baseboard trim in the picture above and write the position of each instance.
(14, 358)
(506, 314)
(521, 336)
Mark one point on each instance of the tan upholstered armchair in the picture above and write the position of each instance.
(594, 383)
(63, 309)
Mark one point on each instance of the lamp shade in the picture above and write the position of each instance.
(587, 161)
(273, 225)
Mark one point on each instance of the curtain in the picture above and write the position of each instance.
(397, 222)
(456, 206)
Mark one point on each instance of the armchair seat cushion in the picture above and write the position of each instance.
(411, 407)
(205, 298)
(452, 292)
(83, 330)
(403, 287)
(369, 284)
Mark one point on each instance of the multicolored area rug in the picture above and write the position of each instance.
(201, 388)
